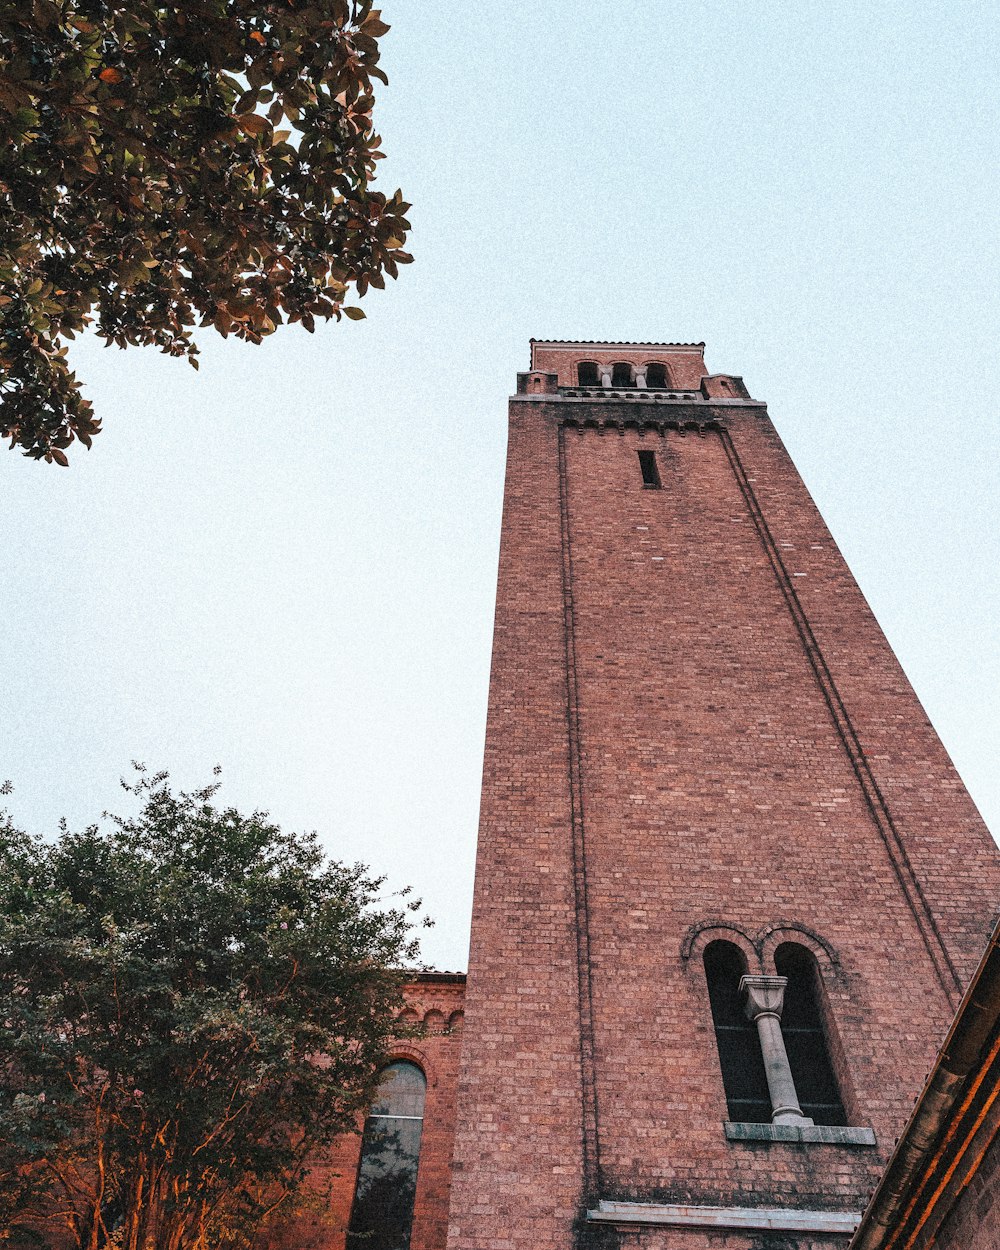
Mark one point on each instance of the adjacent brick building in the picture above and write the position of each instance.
(941, 1189)
(729, 889)
(322, 1222)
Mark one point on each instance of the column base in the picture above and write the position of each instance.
(786, 1115)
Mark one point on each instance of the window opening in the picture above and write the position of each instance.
(382, 1215)
(621, 375)
(805, 1037)
(743, 1076)
(656, 377)
(586, 374)
(650, 473)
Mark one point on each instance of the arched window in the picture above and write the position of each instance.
(586, 374)
(656, 377)
(382, 1216)
(805, 1037)
(621, 374)
(739, 1046)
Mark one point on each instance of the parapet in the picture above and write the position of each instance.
(592, 369)
(618, 366)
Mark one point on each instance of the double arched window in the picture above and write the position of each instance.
(382, 1215)
(746, 1011)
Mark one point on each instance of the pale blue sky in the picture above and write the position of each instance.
(285, 563)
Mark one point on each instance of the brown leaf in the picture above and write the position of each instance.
(253, 124)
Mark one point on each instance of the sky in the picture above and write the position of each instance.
(285, 563)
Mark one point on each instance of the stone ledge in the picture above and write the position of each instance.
(779, 1219)
(811, 1134)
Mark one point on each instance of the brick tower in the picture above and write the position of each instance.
(729, 885)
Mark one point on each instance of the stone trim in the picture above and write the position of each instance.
(678, 1215)
(805, 1134)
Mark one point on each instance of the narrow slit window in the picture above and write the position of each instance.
(650, 473)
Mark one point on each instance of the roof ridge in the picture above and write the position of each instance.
(616, 342)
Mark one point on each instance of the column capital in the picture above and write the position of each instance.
(764, 995)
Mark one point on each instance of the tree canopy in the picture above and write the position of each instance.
(191, 1003)
(164, 166)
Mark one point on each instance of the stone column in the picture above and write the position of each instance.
(605, 371)
(765, 997)
(640, 377)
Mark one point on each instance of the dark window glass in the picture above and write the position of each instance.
(586, 374)
(621, 375)
(382, 1216)
(805, 1037)
(742, 1064)
(656, 377)
(650, 473)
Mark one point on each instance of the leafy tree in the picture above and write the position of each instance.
(147, 184)
(191, 1003)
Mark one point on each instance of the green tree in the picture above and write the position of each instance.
(148, 185)
(192, 1002)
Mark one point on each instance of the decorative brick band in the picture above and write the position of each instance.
(777, 1219)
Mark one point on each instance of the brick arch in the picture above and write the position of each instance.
(412, 1054)
(706, 931)
(770, 938)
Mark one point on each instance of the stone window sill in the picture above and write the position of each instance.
(774, 1219)
(805, 1134)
